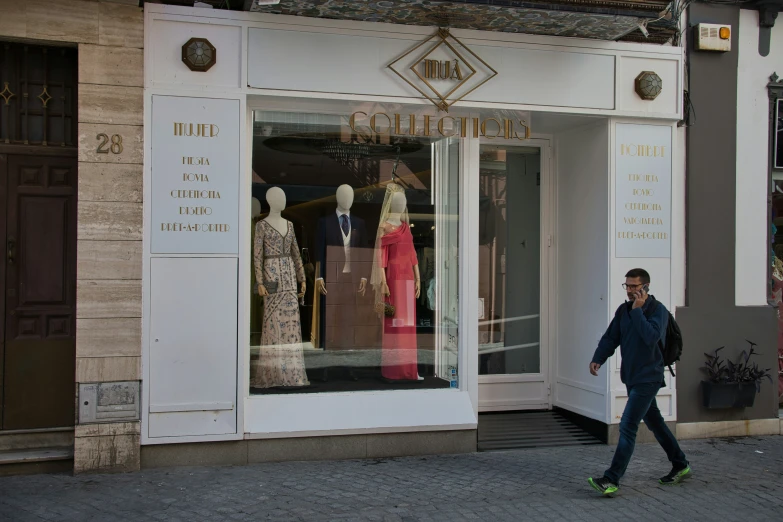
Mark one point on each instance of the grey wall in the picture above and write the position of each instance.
(710, 318)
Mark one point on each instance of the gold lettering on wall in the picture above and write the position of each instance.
(643, 235)
(196, 130)
(442, 70)
(190, 160)
(650, 151)
(195, 211)
(195, 194)
(200, 178)
(366, 125)
(189, 227)
(484, 128)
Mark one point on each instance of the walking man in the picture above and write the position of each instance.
(638, 326)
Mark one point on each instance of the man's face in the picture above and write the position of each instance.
(633, 286)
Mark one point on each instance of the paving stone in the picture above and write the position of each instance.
(731, 481)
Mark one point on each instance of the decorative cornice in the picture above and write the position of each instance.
(775, 86)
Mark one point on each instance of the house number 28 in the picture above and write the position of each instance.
(113, 144)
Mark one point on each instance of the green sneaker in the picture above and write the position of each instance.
(675, 476)
(603, 485)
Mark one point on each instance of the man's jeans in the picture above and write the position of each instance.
(641, 405)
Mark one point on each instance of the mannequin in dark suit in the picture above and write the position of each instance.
(342, 251)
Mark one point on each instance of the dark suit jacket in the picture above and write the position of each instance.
(329, 234)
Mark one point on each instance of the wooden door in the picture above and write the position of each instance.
(38, 332)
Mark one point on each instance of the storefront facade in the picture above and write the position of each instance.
(317, 152)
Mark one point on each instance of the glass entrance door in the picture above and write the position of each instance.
(513, 245)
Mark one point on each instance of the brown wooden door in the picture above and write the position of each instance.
(38, 205)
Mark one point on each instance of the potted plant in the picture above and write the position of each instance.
(732, 384)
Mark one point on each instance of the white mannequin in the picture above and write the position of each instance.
(276, 199)
(396, 208)
(344, 201)
(255, 207)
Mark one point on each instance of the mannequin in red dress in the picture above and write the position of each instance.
(401, 284)
(776, 298)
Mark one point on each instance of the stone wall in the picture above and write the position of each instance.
(110, 39)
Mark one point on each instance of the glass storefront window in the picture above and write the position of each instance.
(509, 260)
(354, 251)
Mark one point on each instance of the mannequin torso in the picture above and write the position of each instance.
(277, 222)
(276, 199)
(344, 197)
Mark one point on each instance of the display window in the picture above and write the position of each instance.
(354, 249)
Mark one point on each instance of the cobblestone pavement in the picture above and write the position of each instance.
(734, 479)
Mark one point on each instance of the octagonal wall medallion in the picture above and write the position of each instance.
(648, 85)
(199, 54)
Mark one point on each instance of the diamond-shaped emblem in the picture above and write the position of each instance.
(45, 97)
(443, 73)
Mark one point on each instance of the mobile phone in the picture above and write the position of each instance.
(646, 289)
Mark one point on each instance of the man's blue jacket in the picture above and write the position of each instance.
(637, 332)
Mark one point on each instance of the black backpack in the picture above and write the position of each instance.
(671, 346)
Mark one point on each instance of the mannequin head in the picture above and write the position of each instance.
(276, 199)
(255, 208)
(398, 203)
(344, 197)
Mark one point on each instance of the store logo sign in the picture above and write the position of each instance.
(443, 69)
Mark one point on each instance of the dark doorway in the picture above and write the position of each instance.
(38, 198)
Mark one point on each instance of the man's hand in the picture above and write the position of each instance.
(639, 300)
(594, 367)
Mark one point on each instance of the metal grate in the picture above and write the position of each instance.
(38, 86)
(504, 431)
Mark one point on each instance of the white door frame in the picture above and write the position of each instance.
(530, 391)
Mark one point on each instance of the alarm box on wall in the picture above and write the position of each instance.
(712, 37)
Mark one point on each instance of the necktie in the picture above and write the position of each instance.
(344, 224)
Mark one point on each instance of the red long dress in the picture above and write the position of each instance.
(399, 348)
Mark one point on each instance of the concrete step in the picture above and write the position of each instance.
(12, 440)
(36, 460)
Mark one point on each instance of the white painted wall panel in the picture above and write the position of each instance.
(165, 49)
(629, 67)
(660, 268)
(325, 62)
(195, 179)
(643, 191)
(754, 70)
(554, 78)
(582, 268)
(193, 347)
(525, 76)
(345, 413)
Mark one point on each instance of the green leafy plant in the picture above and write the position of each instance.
(721, 370)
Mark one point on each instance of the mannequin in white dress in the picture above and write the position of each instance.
(278, 267)
(276, 199)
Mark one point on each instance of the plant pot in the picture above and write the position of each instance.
(746, 395)
(719, 395)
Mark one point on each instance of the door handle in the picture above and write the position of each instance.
(11, 250)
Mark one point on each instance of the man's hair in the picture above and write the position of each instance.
(641, 273)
